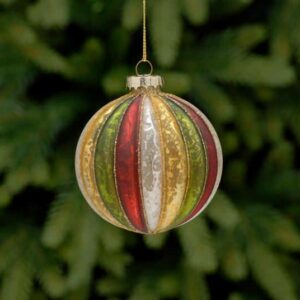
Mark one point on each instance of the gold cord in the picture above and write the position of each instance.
(144, 56)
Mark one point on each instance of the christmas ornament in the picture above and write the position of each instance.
(148, 161)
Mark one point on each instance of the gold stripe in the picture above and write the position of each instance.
(175, 166)
(187, 154)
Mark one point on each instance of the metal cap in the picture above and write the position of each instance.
(135, 82)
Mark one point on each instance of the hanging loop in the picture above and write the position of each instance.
(139, 64)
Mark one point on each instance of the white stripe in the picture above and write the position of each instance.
(151, 172)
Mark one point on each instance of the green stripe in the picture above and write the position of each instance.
(104, 163)
(197, 161)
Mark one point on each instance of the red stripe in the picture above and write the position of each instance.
(212, 157)
(127, 165)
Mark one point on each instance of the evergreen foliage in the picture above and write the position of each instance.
(237, 60)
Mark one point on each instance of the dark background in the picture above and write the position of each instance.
(237, 60)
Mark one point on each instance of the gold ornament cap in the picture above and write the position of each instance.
(135, 82)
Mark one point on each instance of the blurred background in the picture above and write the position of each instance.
(237, 60)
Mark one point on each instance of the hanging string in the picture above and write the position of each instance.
(144, 59)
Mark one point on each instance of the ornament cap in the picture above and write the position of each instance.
(135, 82)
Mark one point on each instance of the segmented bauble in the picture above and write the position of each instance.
(148, 161)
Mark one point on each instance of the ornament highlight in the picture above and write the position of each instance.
(148, 161)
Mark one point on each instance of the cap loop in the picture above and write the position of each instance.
(138, 65)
